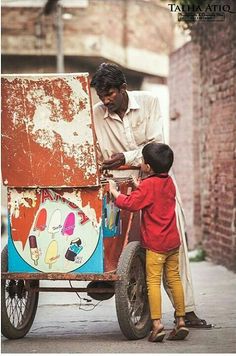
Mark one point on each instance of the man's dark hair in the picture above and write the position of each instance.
(159, 156)
(108, 76)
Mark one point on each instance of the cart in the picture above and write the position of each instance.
(63, 224)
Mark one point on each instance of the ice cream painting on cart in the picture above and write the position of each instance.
(55, 230)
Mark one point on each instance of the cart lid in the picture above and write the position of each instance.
(47, 131)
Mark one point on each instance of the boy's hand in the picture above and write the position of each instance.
(113, 189)
(136, 181)
(112, 184)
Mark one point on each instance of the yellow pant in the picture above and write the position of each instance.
(168, 263)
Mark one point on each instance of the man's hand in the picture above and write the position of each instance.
(116, 160)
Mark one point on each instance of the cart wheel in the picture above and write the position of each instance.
(18, 304)
(131, 293)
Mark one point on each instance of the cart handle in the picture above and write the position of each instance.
(125, 167)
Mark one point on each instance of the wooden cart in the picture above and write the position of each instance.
(63, 224)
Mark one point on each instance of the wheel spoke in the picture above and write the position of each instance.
(18, 312)
(15, 313)
(135, 291)
(8, 302)
(11, 313)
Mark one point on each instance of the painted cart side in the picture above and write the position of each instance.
(63, 224)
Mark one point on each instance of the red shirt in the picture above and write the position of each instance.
(155, 195)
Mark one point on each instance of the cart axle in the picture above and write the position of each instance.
(81, 290)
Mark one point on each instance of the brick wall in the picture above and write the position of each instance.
(183, 69)
(217, 140)
(212, 150)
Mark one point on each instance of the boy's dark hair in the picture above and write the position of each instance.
(108, 76)
(159, 156)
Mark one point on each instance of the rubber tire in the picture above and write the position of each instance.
(132, 252)
(7, 328)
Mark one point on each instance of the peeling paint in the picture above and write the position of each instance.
(45, 129)
(26, 198)
(75, 197)
(49, 115)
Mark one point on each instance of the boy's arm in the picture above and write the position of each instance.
(138, 199)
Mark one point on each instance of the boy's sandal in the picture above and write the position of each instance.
(157, 335)
(178, 333)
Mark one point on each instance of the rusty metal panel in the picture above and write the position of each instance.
(47, 131)
(55, 230)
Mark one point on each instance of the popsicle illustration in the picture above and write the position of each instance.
(40, 223)
(69, 225)
(74, 249)
(55, 222)
(34, 252)
(111, 217)
(117, 222)
(51, 254)
(108, 197)
(105, 215)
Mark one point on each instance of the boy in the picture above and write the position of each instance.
(155, 195)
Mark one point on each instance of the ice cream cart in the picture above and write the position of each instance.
(63, 223)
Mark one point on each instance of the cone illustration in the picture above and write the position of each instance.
(51, 254)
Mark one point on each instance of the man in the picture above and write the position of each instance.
(124, 122)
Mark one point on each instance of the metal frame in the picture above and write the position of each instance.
(106, 277)
(61, 276)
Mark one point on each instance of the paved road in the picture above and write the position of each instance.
(61, 327)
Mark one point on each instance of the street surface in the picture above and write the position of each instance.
(61, 327)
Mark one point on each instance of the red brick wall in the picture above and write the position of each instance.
(183, 66)
(211, 136)
(217, 140)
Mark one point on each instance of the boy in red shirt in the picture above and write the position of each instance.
(155, 196)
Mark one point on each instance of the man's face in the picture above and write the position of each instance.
(111, 98)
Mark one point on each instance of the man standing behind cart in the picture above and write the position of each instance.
(124, 122)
